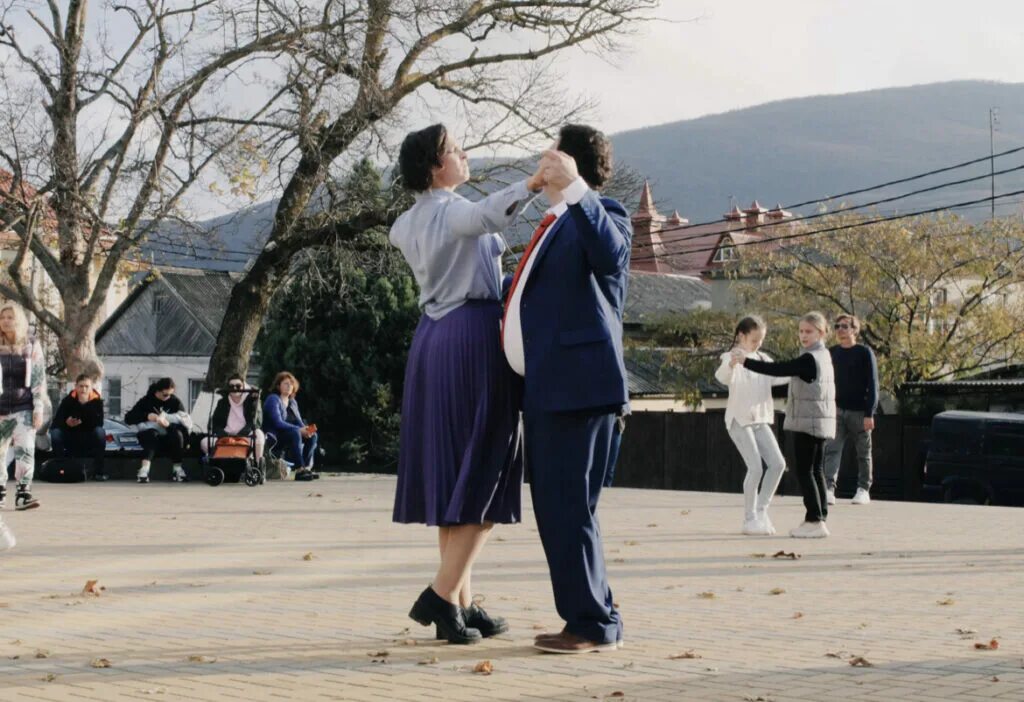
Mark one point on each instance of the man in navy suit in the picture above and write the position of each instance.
(563, 333)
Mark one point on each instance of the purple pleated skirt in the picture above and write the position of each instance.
(460, 459)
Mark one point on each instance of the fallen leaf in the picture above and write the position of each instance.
(92, 588)
(308, 557)
(759, 555)
(409, 642)
(201, 659)
(739, 589)
(539, 627)
(49, 677)
(798, 615)
(261, 572)
(314, 494)
(618, 693)
(777, 591)
(759, 698)
(629, 665)
(631, 543)
(379, 654)
(684, 512)
(946, 602)
(618, 560)
(649, 526)
(791, 555)
(836, 654)
(100, 663)
(966, 632)
(42, 653)
(404, 631)
(990, 646)
(860, 662)
(687, 654)
(995, 678)
(429, 661)
(483, 668)
(706, 595)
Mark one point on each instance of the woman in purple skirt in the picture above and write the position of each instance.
(459, 465)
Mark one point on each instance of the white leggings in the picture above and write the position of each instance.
(756, 443)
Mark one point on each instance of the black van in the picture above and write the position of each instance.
(976, 458)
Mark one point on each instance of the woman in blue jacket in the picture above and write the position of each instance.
(281, 418)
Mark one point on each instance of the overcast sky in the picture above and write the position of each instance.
(738, 53)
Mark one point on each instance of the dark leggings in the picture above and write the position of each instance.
(171, 444)
(810, 451)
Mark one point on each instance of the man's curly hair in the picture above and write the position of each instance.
(591, 150)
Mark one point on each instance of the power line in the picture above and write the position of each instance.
(898, 181)
(791, 221)
(854, 225)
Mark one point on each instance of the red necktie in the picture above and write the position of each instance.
(534, 240)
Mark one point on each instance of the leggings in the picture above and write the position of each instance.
(811, 474)
(756, 444)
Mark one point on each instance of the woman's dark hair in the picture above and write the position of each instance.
(236, 376)
(591, 150)
(420, 154)
(747, 325)
(162, 384)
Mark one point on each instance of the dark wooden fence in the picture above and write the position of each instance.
(693, 451)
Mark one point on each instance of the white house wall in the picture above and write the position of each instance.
(136, 374)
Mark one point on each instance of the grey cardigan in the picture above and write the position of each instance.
(811, 407)
(451, 245)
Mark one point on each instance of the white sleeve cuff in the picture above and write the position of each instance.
(575, 191)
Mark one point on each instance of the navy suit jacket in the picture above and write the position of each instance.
(571, 310)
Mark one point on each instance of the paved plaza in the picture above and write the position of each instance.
(299, 591)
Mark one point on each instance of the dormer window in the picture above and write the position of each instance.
(725, 254)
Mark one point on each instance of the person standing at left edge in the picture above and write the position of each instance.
(563, 333)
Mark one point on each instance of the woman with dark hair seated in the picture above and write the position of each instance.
(163, 425)
(238, 413)
(459, 465)
(295, 439)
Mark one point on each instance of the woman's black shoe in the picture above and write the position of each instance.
(431, 608)
(477, 618)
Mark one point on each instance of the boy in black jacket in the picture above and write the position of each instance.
(163, 425)
(77, 428)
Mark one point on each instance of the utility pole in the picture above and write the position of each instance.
(993, 120)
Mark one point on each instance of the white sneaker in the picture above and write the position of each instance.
(810, 530)
(754, 527)
(7, 540)
(830, 496)
(769, 528)
(861, 498)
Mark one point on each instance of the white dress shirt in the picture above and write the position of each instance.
(513, 333)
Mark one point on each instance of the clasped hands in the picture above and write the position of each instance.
(556, 168)
(738, 356)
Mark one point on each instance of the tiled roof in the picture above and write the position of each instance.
(648, 375)
(652, 296)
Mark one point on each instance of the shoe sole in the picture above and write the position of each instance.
(596, 648)
(30, 505)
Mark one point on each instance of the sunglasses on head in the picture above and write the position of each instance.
(235, 386)
(842, 325)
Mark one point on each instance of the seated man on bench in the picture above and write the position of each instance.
(77, 428)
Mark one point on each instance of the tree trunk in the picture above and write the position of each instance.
(247, 306)
(77, 345)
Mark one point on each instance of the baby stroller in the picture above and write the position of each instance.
(232, 458)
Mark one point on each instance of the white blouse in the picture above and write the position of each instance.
(750, 394)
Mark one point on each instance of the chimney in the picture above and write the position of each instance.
(647, 244)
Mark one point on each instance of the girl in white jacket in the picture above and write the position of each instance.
(749, 415)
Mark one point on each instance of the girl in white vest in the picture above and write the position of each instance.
(810, 415)
(749, 415)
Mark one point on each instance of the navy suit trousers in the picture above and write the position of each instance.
(570, 456)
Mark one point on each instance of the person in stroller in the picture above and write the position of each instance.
(238, 413)
(295, 440)
(77, 428)
(163, 425)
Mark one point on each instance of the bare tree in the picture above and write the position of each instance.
(488, 61)
(107, 124)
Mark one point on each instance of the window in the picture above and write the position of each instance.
(724, 254)
(114, 396)
(159, 301)
(195, 386)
